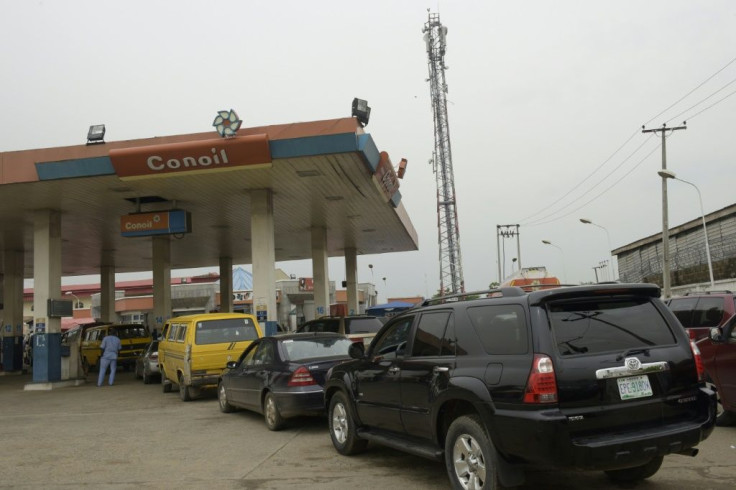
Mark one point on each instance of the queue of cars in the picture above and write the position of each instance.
(598, 377)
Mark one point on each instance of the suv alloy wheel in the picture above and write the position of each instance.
(469, 455)
(342, 427)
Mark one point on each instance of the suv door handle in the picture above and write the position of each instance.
(394, 369)
(440, 369)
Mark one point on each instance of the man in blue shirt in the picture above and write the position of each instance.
(110, 347)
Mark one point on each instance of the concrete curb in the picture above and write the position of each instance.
(53, 385)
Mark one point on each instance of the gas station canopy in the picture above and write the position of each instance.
(327, 174)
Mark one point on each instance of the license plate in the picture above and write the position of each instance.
(634, 387)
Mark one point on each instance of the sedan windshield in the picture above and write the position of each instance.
(300, 349)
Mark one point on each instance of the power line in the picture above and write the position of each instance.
(585, 179)
(693, 90)
(591, 188)
(703, 100)
(578, 185)
(604, 191)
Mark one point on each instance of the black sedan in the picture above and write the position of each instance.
(282, 376)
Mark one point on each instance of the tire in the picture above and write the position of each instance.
(271, 413)
(138, 375)
(225, 406)
(343, 430)
(147, 378)
(185, 391)
(165, 384)
(470, 458)
(628, 475)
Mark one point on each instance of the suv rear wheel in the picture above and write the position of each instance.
(636, 473)
(342, 427)
(469, 455)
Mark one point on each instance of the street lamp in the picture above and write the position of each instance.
(76, 305)
(669, 174)
(608, 237)
(547, 242)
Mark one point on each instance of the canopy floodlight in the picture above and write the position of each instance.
(227, 123)
(96, 134)
(361, 111)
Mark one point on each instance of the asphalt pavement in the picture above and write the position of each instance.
(132, 435)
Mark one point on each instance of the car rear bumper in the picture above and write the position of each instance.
(204, 381)
(547, 438)
(296, 403)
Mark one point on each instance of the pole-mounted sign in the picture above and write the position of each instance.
(157, 223)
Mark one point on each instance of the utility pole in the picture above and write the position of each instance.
(507, 231)
(595, 269)
(665, 219)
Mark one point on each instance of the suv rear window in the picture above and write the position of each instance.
(363, 325)
(320, 326)
(225, 330)
(602, 325)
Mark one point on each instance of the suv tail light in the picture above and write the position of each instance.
(698, 361)
(301, 377)
(541, 387)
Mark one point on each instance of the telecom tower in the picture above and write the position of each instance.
(451, 269)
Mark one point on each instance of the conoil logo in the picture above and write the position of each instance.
(144, 221)
(218, 157)
(211, 155)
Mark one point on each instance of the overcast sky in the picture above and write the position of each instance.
(541, 94)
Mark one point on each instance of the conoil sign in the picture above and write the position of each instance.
(192, 157)
(158, 223)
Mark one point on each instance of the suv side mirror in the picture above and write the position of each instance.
(715, 334)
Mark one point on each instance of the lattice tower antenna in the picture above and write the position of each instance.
(451, 269)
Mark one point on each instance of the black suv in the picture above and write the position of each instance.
(593, 377)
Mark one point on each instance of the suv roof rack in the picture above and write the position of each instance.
(506, 291)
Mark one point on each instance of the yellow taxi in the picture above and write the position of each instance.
(134, 338)
(194, 349)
